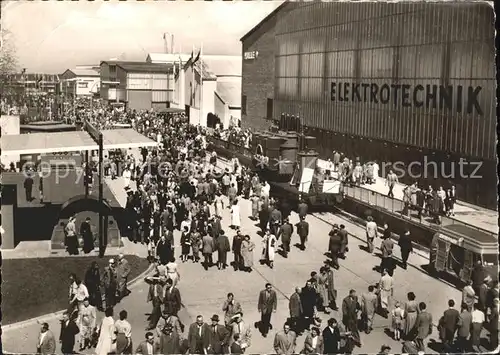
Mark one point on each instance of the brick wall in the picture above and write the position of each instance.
(258, 75)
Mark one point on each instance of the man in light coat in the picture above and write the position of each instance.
(423, 325)
(369, 302)
(285, 341)
(122, 273)
(371, 233)
(46, 344)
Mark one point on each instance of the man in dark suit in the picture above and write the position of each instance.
(295, 307)
(309, 299)
(236, 345)
(28, 187)
(267, 304)
(69, 330)
(350, 308)
(169, 341)
(332, 336)
(172, 300)
(222, 246)
(46, 344)
(236, 248)
(334, 246)
(303, 232)
(199, 337)
(286, 231)
(449, 324)
(149, 346)
(156, 294)
(406, 247)
(218, 337)
(344, 241)
(423, 325)
(302, 209)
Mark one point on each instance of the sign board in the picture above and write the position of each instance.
(457, 98)
(250, 55)
(331, 186)
(306, 180)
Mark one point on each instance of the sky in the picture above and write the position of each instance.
(50, 36)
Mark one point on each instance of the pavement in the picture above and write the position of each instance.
(203, 292)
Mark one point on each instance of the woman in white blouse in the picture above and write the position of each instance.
(80, 293)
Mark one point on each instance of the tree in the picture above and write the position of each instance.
(8, 58)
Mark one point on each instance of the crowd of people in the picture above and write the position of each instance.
(179, 187)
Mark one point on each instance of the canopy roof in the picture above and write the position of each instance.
(38, 143)
(125, 138)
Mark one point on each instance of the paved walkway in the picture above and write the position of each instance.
(203, 292)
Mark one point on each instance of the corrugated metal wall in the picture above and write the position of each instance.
(139, 99)
(162, 95)
(145, 81)
(413, 73)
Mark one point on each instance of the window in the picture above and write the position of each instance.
(243, 104)
(269, 114)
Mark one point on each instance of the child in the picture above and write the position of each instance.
(397, 321)
(151, 250)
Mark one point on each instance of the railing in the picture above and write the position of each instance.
(373, 198)
(396, 206)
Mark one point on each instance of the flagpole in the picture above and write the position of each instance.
(193, 81)
(201, 83)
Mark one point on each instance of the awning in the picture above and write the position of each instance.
(125, 138)
(38, 143)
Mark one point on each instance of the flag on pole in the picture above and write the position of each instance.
(190, 60)
(196, 58)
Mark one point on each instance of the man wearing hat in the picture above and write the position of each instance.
(169, 341)
(218, 337)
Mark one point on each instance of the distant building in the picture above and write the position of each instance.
(80, 82)
(138, 85)
(219, 92)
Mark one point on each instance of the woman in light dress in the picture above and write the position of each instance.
(107, 335)
(410, 314)
(219, 204)
(247, 247)
(235, 215)
(123, 334)
(268, 248)
(173, 272)
(127, 175)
